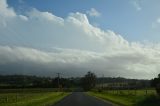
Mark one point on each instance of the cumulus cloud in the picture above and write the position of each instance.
(93, 12)
(42, 43)
(5, 11)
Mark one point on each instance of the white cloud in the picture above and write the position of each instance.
(133, 63)
(156, 23)
(35, 14)
(80, 47)
(136, 4)
(23, 17)
(5, 11)
(93, 12)
(158, 20)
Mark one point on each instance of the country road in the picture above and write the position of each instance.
(81, 99)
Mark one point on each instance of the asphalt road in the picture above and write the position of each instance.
(81, 99)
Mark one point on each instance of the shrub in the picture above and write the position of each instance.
(156, 83)
(89, 81)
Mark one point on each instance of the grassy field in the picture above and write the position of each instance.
(129, 97)
(30, 97)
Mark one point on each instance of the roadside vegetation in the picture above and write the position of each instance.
(156, 84)
(23, 90)
(130, 94)
(129, 97)
(30, 97)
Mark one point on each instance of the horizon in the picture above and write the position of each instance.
(97, 77)
(110, 38)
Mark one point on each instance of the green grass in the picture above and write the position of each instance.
(129, 97)
(39, 98)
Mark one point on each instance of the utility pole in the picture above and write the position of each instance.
(58, 76)
(58, 80)
(102, 81)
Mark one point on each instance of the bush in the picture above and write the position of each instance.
(89, 81)
(156, 83)
(158, 89)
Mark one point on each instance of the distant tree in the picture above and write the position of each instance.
(89, 81)
(156, 83)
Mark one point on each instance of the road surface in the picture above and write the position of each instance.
(81, 99)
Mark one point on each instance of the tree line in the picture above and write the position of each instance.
(26, 81)
(89, 81)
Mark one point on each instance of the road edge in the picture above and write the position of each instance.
(61, 99)
(105, 100)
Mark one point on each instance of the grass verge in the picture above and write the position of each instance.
(31, 99)
(129, 99)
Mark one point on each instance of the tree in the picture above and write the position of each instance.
(89, 81)
(156, 83)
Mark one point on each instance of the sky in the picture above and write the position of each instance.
(108, 37)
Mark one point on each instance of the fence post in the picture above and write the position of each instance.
(16, 98)
(146, 91)
(7, 99)
(135, 91)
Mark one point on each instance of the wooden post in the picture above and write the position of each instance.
(146, 91)
(135, 91)
(7, 99)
